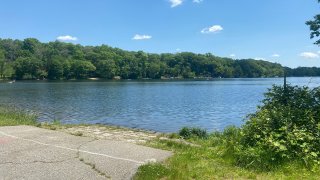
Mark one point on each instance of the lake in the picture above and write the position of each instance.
(163, 106)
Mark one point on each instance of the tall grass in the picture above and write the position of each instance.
(214, 158)
(14, 117)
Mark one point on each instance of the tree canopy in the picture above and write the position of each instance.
(31, 59)
(315, 27)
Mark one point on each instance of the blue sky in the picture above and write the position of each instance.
(273, 30)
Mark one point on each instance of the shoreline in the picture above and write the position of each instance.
(94, 79)
(192, 157)
(15, 117)
(109, 132)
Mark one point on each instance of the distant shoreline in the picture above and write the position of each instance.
(168, 79)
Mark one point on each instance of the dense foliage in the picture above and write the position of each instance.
(314, 26)
(31, 59)
(303, 71)
(285, 129)
(188, 133)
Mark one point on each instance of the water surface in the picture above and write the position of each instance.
(163, 106)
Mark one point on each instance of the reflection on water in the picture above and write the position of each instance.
(164, 106)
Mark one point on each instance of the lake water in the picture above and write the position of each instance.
(163, 106)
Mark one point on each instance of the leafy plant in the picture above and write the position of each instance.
(285, 128)
(188, 133)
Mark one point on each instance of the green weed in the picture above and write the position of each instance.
(14, 117)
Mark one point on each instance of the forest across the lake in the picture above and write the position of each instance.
(31, 59)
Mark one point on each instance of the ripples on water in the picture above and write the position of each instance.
(163, 106)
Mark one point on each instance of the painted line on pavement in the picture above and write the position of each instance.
(71, 149)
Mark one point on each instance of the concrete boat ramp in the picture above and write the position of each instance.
(33, 153)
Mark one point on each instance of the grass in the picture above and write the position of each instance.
(208, 162)
(152, 171)
(15, 117)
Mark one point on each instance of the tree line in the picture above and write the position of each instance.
(31, 59)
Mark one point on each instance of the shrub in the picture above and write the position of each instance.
(185, 132)
(188, 133)
(285, 128)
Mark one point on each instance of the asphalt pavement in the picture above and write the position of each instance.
(33, 153)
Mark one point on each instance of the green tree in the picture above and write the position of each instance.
(67, 73)
(55, 68)
(32, 47)
(2, 64)
(32, 59)
(8, 70)
(315, 27)
(106, 69)
(153, 70)
(82, 69)
(29, 68)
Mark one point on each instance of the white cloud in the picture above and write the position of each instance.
(175, 3)
(141, 37)
(212, 29)
(318, 52)
(275, 55)
(178, 50)
(67, 38)
(232, 55)
(309, 55)
(197, 1)
(259, 58)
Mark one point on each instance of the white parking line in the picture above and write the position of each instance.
(71, 149)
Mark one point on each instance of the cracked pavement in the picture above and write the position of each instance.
(33, 153)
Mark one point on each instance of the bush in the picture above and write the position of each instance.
(285, 128)
(188, 133)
